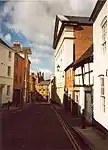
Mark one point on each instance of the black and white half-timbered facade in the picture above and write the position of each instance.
(84, 83)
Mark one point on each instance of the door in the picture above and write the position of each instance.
(0, 96)
(88, 106)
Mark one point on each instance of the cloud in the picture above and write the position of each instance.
(35, 60)
(8, 38)
(35, 20)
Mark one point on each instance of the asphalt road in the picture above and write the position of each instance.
(36, 127)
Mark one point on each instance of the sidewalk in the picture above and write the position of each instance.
(91, 135)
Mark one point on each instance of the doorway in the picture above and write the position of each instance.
(88, 106)
(0, 96)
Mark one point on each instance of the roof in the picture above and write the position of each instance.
(68, 21)
(85, 57)
(99, 5)
(78, 19)
(4, 43)
(46, 82)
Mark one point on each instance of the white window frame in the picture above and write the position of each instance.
(104, 34)
(9, 71)
(8, 90)
(102, 93)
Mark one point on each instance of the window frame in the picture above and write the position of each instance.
(9, 71)
(104, 24)
(102, 93)
(10, 55)
(8, 90)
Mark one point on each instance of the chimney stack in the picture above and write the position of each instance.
(17, 46)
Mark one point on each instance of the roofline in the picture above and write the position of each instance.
(67, 23)
(21, 56)
(99, 5)
(6, 45)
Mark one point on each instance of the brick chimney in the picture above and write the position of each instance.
(43, 75)
(17, 46)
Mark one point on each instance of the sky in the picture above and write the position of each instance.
(31, 22)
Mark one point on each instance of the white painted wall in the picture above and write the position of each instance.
(63, 58)
(78, 81)
(100, 66)
(4, 79)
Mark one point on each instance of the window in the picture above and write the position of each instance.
(16, 60)
(16, 79)
(9, 70)
(102, 92)
(20, 79)
(10, 55)
(104, 34)
(8, 90)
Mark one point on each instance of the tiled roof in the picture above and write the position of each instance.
(78, 19)
(85, 56)
(46, 82)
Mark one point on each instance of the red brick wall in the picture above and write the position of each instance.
(19, 70)
(83, 40)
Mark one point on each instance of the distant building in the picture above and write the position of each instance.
(43, 89)
(32, 82)
(39, 77)
(99, 17)
(6, 72)
(52, 89)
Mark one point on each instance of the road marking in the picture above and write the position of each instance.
(67, 131)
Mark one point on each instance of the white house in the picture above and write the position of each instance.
(84, 83)
(100, 40)
(63, 45)
(6, 72)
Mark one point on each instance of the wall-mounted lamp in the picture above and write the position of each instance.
(107, 72)
(58, 67)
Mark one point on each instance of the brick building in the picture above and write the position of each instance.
(72, 37)
(19, 72)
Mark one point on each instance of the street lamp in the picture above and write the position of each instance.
(58, 69)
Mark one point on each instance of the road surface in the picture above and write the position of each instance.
(36, 127)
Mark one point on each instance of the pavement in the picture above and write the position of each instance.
(35, 127)
(93, 137)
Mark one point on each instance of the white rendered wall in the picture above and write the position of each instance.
(63, 58)
(100, 66)
(4, 79)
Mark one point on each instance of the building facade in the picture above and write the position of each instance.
(6, 73)
(100, 40)
(83, 87)
(21, 75)
(52, 89)
(42, 89)
(70, 32)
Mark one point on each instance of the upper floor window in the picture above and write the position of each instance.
(104, 34)
(16, 60)
(9, 71)
(10, 55)
(8, 90)
(102, 92)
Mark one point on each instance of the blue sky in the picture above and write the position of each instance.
(32, 24)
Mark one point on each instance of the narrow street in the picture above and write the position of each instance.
(36, 127)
